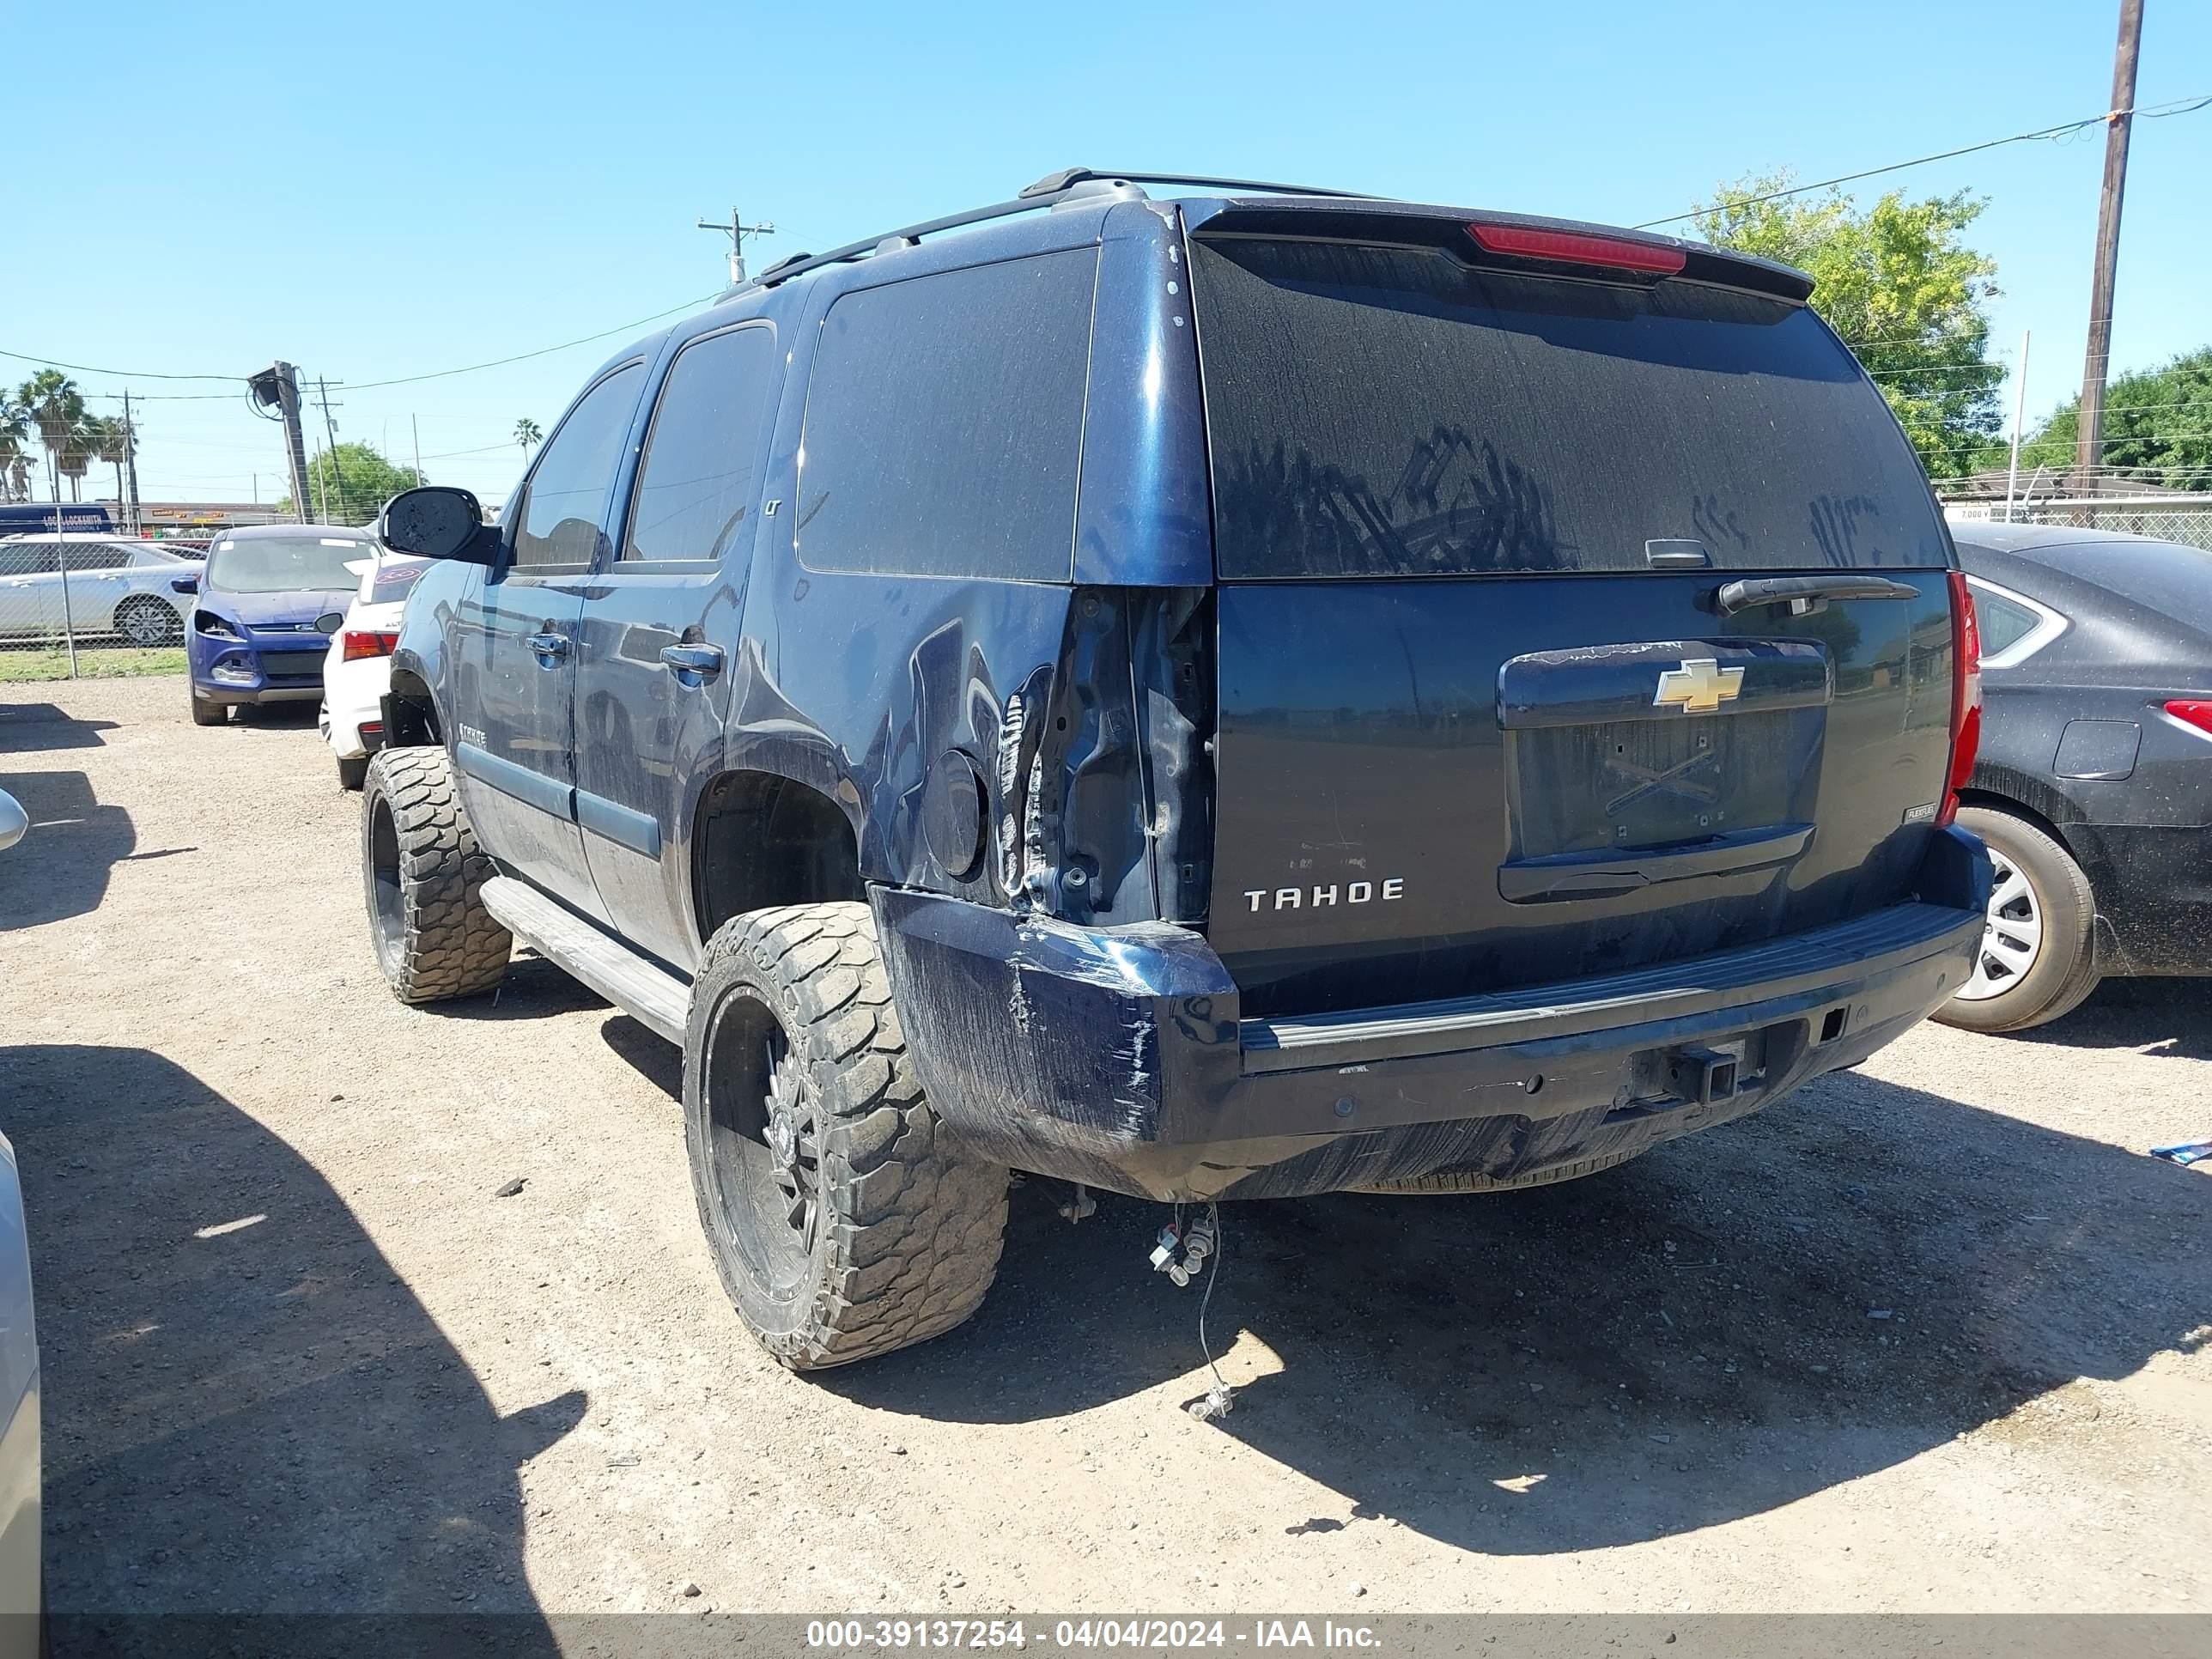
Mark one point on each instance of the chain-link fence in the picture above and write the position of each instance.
(2169, 518)
(87, 605)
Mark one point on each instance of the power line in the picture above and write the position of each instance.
(353, 385)
(123, 374)
(2177, 107)
(522, 356)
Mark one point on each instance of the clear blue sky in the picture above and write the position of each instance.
(382, 192)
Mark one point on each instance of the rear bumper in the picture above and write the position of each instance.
(1117, 1057)
(353, 699)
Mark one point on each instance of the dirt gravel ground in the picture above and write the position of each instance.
(1930, 1336)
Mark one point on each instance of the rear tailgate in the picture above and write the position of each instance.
(1485, 719)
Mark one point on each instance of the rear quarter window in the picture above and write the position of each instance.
(945, 423)
(1399, 412)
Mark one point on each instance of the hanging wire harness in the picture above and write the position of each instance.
(1183, 1254)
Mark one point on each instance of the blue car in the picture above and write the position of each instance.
(255, 635)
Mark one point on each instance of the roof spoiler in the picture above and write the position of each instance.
(1512, 240)
(1253, 202)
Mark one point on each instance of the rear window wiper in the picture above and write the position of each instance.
(1805, 593)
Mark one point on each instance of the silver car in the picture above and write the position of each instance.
(88, 584)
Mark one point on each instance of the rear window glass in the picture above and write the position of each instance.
(945, 423)
(1378, 411)
(394, 578)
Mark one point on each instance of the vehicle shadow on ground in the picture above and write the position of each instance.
(32, 728)
(533, 989)
(60, 867)
(247, 1408)
(281, 715)
(1730, 1324)
(2169, 1017)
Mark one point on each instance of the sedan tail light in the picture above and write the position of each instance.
(356, 643)
(2193, 711)
(1965, 695)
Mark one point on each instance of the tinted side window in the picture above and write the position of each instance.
(567, 496)
(945, 423)
(2003, 624)
(701, 457)
(36, 560)
(98, 556)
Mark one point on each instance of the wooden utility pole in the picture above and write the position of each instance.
(134, 516)
(2088, 458)
(737, 230)
(277, 387)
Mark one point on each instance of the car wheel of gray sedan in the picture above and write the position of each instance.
(2037, 957)
(148, 622)
(844, 1222)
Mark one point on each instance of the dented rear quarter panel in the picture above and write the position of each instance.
(856, 684)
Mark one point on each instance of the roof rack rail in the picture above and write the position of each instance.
(1054, 183)
(1052, 188)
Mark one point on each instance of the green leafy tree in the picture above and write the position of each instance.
(526, 434)
(56, 408)
(1905, 291)
(2158, 428)
(350, 484)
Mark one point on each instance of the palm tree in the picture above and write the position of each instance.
(56, 408)
(115, 442)
(15, 433)
(526, 434)
(77, 452)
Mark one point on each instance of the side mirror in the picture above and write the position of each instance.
(13, 821)
(437, 521)
(183, 583)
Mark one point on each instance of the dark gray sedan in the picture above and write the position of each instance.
(2094, 788)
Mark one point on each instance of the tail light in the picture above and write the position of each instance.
(2193, 711)
(1965, 695)
(1575, 247)
(356, 643)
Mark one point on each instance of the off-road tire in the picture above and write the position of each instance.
(353, 771)
(205, 713)
(2065, 968)
(1473, 1181)
(423, 873)
(908, 1228)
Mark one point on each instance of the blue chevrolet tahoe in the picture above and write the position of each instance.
(1236, 694)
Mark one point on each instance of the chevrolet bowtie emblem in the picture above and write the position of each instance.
(1699, 686)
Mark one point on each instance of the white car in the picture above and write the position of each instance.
(20, 1461)
(114, 586)
(357, 668)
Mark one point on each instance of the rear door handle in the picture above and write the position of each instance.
(692, 664)
(549, 645)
